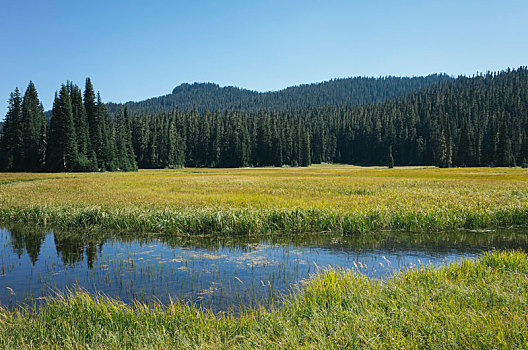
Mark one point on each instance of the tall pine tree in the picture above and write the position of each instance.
(62, 145)
(11, 142)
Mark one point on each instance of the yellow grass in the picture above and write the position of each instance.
(347, 191)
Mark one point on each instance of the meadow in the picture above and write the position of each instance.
(470, 304)
(478, 303)
(338, 198)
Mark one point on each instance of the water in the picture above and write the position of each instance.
(214, 272)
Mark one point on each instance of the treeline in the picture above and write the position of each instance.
(478, 121)
(336, 92)
(79, 136)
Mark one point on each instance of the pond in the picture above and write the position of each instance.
(220, 273)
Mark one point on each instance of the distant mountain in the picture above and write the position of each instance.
(336, 92)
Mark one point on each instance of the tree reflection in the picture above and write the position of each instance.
(24, 239)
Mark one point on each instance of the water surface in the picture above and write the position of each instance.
(222, 273)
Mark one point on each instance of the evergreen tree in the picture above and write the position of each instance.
(504, 156)
(130, 155)
(524, 152)
(306, 158)
(32, 124)
(108, 136)
(95, 150)
(62, 145)
(465, 153)
(11, 142)
(85, 160)
(390, 158)
(122, 160)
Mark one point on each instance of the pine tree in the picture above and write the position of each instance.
(122, 160)
(444, 148)
(11, 141)
(32, 123)
(276, 146)
(82, 135)
(95, 127)
(130, 155)
(504, 155)
(62, 149)
(305, 151)
(263, 140)
(108, 136)
(390, 158)
(524, 151)
(465, 153)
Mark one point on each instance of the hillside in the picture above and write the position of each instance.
(336, 92)
(469, 121)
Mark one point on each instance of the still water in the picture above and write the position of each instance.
(215, 272)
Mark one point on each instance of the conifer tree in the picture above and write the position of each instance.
(305, 151)
(11, 141)
(94, 121)
(32, 124)
(390, 158)
(122, 160)
(62, 144)
(85, 161)
(465, 153)
(130, 155)
(524, 152)
(107, 136)
(504, 156)
(444, 148)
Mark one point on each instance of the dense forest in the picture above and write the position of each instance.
(338, 92)
(477, 121)
(79, 136)
(468, 121)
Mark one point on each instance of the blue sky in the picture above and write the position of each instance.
(133, 49)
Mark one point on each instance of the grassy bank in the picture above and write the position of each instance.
(480, 304)
(232, 201)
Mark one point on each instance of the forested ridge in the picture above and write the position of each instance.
(336, 92)
(477, 121)
(469, 121)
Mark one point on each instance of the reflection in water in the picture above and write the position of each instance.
(217, 272)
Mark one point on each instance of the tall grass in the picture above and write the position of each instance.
(470, 304)
(264, 221)
(251, 201)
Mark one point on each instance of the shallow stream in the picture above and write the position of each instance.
(221, 273)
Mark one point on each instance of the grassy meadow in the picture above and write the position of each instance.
(469, 304)
(480, 304)
(336, 198)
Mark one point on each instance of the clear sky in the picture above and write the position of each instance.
(135, 49)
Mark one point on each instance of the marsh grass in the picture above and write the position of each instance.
(343, 199)
(469, 304)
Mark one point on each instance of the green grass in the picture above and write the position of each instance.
(470, 304)
(338, 198)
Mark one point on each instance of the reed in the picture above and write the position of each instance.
(469, 304)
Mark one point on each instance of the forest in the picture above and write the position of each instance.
(336, 92)
(80, 135)
(468, 121)
(477, 121)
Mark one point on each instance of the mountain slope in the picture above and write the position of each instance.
(470, 121)
(348, 91)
